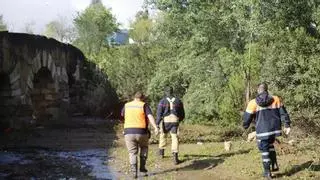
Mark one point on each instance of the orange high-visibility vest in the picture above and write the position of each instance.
(134, 115)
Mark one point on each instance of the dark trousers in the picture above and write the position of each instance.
(268, 153)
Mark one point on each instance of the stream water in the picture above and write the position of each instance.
(30, 163)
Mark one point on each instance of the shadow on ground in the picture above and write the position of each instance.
(202, 162)
(297, 168)
(223, 155)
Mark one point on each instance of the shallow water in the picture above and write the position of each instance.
(46, 164)
(94, 158)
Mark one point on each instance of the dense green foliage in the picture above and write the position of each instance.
(93, 26)
(215, 52)
(60, 30)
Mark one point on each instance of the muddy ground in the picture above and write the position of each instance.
(74, 150)
(209, 160)
(90, 148)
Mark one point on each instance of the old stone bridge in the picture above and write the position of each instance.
(37, 75)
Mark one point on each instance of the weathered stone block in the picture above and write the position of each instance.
(46, 91)
(58, 71)
(14, 78)
(15, 74)
(31, 76)
(16, 92)
(49, 97)
(37, 99)
(44, 59)
(49, 62)
(65, 78)
(51, 86)
(15, 85)
(35, 91)
(64, 71)
(34, 68)
(56, 84)
(23, 99)
(38, 62)
(53, 70)
(77, 72)
(30, 83)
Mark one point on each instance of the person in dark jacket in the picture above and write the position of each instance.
(170, 112)
(270, 114)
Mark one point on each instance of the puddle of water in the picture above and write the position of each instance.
(94, 158)
(9, 157)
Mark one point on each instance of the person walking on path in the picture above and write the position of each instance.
(270, 113)
(136, 115)
(170, 112)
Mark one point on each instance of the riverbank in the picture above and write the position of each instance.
(209, 160)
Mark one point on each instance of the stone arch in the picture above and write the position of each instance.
(44, 95)
(47, 88)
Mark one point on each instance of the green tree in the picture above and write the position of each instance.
(215, 52)
(60, 30)
(3, 26)
(130, 67)
(141, 28)
(93, 26)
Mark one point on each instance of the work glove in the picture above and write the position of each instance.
(287, 130)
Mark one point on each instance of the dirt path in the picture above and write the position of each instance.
(77, 150)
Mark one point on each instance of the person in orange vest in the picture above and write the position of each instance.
(270, 113)
(170, 113)
(137, 115)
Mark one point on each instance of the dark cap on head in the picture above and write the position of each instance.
(262, 87)
(168, 91)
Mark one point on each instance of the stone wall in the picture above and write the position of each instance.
(36, 75)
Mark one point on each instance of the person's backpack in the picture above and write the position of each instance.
(171, 117)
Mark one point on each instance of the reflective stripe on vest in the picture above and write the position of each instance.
(171, 102)
(134, 115)
(171, 118)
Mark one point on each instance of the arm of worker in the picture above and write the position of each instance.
(122, 115)
(181, 113)
(151, 119)
(249, 114)
(285, 119)
(160, 110)
(153, 123)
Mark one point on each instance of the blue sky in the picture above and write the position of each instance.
(18, 13)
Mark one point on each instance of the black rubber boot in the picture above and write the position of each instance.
(134, 170)
(161, 153)
(143, 166)
(274, 163)
(267, 174)
(176, 160)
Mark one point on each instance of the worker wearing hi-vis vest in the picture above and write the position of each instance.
(270, 113)
(170, 112)
(136, 115)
